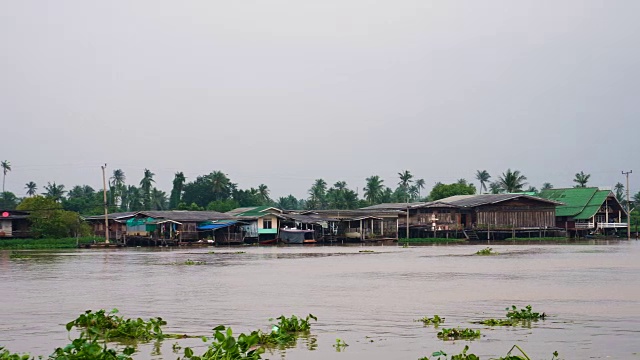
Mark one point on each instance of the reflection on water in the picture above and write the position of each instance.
(591, 292)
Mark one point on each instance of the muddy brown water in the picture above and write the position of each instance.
(591, 292)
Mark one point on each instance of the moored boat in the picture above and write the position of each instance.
(296, 236)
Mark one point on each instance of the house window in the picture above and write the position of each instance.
(266, 224)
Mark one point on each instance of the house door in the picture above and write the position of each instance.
(463, 220)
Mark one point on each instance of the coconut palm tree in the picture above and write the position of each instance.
(6, 167)
(318, 192)
(56, 192)
(145, 187)
(405, 181)
(373, 189)
(495, 187)
(619, 188)
(31, 188)
(131, 199)
(221, 185)
(547, 186)
(581, 179)
(176, 192)
(512, 181)
(263, 194)
(483, 176)
(420, 185)
(116, 183)
(158, 199)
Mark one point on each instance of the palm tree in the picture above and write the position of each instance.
(176, 192)
(6, 167)
(420, 186)
(318, 192)
(220, 185)
(145, 186)
(263, 194)
(495, 187)
(117, 185)
(581, 179)
(373, 189)
(414, 192)
(31, 188)
(483, 176)
(619, 188)
(158, 199)
(547, 186)
(56, 192)
(512, 181)
(405, 181)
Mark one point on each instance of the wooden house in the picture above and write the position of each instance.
(486, 212)
(14, 224)
(587, 210)
(174, 224)
(261, 222)
(355, 225)
(116, 223)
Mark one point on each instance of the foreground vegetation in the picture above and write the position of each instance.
(46, 243)
(98, 328)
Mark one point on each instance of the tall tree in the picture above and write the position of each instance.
(263, 193)
(317, 192)
(373, 190)
(8, 200)
(483, 176)
(220, 185)
(441, 191)
(117, 186)
(420, 186)
(158, 199)
(6, 167)
(145, 187)
(289, 203)
(495, 187)
(581, 179)
(56, 192)
(176, 191)
(512, 181)
(619, 188)
(404, 183)
(31, 187)
(132, 199)
(547, 186)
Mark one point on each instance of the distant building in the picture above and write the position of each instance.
(14, 224)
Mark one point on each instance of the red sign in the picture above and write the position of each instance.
(5, 214)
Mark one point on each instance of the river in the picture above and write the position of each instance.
(590, 291)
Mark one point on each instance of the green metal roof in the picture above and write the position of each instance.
(257, 211)
(593, 206)
(580, 203)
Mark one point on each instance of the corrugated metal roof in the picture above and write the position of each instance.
(254, 211)
(487, 199)
(574, 199)
(593, 205)
(462, 201)
(185, 216)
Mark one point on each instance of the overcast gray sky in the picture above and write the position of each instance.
(283, 92)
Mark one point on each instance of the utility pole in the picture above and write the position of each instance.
(628, 205)
(106, 208)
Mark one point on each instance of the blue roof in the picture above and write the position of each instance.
(215, 226)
